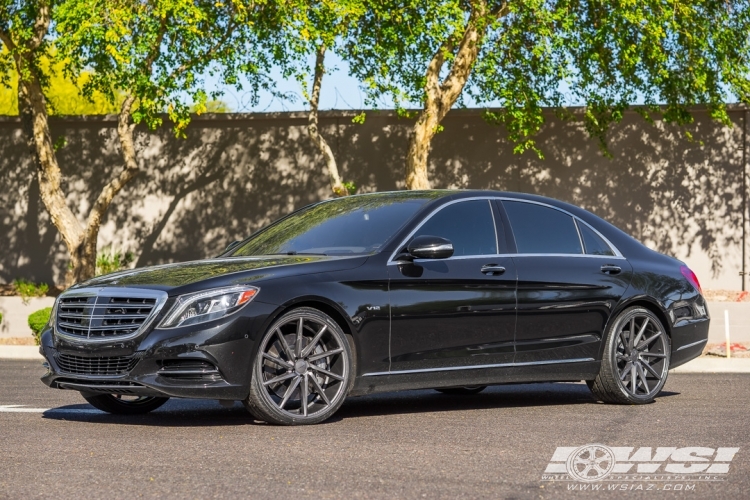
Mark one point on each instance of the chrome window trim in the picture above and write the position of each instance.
(478, 367)
(617, 254)
(494, 224)
(580, 237)
(159, 295)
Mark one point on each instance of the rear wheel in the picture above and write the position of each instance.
(463, 391)
(302, 371)
(635, 362)
(124, 405)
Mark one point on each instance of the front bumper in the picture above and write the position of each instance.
(210, 361)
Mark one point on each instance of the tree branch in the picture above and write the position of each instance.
(41, 25)
(210, 52)
(468, 51)
(125, 133)
(5, 38)
(312, 124)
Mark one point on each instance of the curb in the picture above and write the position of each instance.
(20, 352)
(715, 365)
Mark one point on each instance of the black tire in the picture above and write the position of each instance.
(463, 391)
(291, 367)
(628, 374)
(124, 405)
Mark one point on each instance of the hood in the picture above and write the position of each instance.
(232, 270)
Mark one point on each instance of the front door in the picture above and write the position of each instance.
(569, 281)
(456, 312)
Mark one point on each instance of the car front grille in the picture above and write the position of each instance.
(84, 365)
(107, 315)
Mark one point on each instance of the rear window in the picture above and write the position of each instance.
(540, 229)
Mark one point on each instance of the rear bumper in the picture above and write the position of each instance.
(689, 339)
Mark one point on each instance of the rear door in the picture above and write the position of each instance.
(455, 313)
(569, 281)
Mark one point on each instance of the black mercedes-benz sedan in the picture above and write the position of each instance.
(448, 290)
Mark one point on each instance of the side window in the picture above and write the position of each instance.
(540, 229)
(467, 224)
(593, 242)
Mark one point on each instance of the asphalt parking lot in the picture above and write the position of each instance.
(400, 445)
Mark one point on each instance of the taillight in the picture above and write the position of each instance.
(692, 278)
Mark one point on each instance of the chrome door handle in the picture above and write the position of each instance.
(611, 269)
(492, 269)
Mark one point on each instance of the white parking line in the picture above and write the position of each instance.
(23, 409)
(20, 409)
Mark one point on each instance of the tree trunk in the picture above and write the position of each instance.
(337, 186)
(81, 242)
(440, 96)
(32, 107)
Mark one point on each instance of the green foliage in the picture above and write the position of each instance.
(28, 290)
(604, 56)
(63, 93)
(110, 261)
(350, 187)
(38, 320)
(1, 318)
(158, 52)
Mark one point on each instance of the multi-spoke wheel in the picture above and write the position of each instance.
(124, 405)
(463, 391)
(635, 362)
(302, 371)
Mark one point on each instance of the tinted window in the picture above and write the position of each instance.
(346, 226)
(593, 242)
(539, 229)
(467, 224)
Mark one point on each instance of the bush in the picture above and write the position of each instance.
(38, 320)
(1, 318)
(28, 289)
(108, 261)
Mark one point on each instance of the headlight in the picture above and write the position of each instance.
(53, 315)
(200, 307)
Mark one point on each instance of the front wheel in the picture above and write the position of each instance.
(302, 371)
(636, 358)
(124, 405)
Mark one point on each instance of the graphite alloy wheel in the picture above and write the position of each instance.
(124, 405)
(463, 391)
(302, 371)
(635, 362)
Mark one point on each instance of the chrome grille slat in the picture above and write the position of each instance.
(101, 314)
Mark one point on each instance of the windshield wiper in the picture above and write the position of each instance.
(305, 253)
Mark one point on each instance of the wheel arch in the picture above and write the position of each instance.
(639, 301)
(326, 306)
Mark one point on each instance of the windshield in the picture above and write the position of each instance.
(354, 225)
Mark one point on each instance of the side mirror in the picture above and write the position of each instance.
(430, 247)
(232, 245)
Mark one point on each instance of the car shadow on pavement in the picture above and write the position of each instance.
(499, 396)
(209, 413)
(175, 413)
